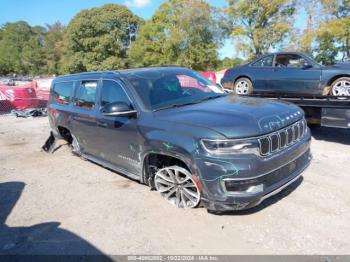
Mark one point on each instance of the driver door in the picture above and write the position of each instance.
(118, 136)
(293, 74)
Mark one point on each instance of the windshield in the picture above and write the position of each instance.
(168, 87)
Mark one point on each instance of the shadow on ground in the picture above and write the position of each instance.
(41, 239)
(330, 134)
(266, 203)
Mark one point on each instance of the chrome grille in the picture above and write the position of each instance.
(282, 138)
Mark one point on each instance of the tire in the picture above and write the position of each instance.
(340, 87)
(177, 186)
(243, 86)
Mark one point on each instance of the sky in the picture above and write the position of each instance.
(41, 12)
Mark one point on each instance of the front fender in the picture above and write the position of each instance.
(164, 143)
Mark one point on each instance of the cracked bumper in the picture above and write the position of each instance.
(244, 181)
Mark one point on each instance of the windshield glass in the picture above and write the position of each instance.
(167, 87)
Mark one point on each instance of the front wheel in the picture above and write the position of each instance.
(177, 186)
(243, 86)
(341, 87)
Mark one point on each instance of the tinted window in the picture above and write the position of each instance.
(263, 62)
(162, 88)
(86, 94)
(62, 92)
(290, 60)
(113, 92)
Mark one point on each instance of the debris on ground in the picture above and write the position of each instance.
(30, 112)
(49, 144)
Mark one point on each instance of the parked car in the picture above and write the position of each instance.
(288, 73)
(174, 130)
(7, 81)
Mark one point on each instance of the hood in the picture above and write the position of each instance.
(234, 116)
(342, 65)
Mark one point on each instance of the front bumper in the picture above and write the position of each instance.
(242, 182)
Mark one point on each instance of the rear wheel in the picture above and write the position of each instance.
(243, 86)
(341, 87)
(177, 186)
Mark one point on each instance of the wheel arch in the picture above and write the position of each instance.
(327, 89)
(65, 133)
(154, 158)
(336, 77)
(242, 76)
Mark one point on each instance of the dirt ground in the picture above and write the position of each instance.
(60, 204)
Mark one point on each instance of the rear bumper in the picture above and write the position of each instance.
(257, 181)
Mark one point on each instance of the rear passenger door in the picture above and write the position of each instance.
(84, 115)
(59, 106)
(118, 136)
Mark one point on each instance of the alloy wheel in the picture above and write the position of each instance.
(341, 88)
(177, 186)
(242, 87)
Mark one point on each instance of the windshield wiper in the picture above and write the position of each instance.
(176, 105)
(189, 103)
(209, 98)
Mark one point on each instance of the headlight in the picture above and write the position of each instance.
(230, 146)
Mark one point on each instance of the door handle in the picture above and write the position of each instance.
(102, 124)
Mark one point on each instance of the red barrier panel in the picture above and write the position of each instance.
(215, 77)
(42, 87)
(210, 75)
(20, 97)
(29, 95)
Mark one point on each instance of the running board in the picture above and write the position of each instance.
(111, 166)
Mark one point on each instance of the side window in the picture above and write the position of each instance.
(113, 92)
(264, 62)
(290, 60)
(62, 92)
(86, 94)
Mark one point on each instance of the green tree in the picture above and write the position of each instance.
(336, 8)
(230, 62)
(33, 55)
(304, 40)
(333, 34)
(54, 47)
(326, 50)
(259, 25)
(23, 49)
(181, 32)
(14, 37)
(98, 38)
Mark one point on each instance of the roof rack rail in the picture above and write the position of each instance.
(117, 70)
(89, 72)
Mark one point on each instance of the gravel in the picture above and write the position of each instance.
(60, 204)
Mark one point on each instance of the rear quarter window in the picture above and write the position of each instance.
(62, 92)
(264, 62)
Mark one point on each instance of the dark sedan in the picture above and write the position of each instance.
(288, 73)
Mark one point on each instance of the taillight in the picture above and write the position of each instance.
(226, 72)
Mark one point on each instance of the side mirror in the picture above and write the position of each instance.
(118, 109)
(307, 66)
